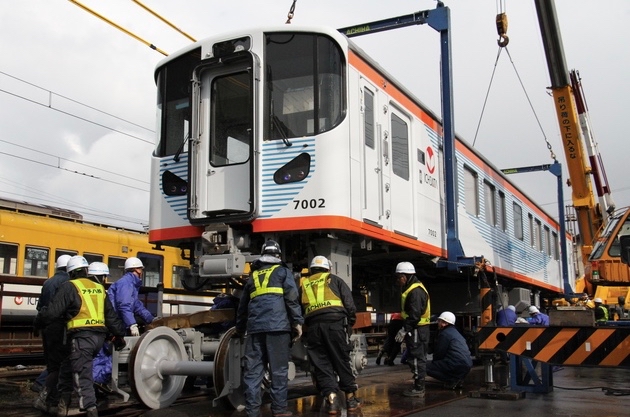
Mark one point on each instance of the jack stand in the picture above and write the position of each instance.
(491, 389)
(523, 375)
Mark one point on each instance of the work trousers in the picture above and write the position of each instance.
(329, 351)
(76, 369)
(418, 345)
(262, 350)
(55, 351)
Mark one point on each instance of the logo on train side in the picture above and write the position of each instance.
(18, 300)
(430, 160)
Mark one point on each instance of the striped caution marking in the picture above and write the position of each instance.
(586, 346)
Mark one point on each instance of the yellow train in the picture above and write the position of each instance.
(33, 236)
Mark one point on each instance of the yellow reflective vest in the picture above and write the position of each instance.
(426, 316)
(317, 295)
(92, 312)
(262, 288)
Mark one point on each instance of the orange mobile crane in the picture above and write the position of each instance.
(599, 224)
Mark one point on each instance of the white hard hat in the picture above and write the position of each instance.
(76, 262)
(405, 268)
(448, 317)
(133, 262)
(98, 269)
(320, 262)
(511, 307)
(62, 261)
(597, 300)
(533, 310)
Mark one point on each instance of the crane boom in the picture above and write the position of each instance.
(588, 215)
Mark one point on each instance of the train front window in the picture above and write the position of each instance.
(36, 262)
(8, 258)
(304, 91)
(173, 103)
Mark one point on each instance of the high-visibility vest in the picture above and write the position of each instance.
(426, 316)
(262, 288)
(92, 312)
(323, 298)
(605, 318)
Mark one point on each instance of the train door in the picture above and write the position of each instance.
(372, 193)
(222, 156)
(401, 189)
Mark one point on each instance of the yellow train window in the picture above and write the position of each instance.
(36, 261)
(8, 258)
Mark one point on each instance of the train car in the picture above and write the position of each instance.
(33, 236)
(296, 134)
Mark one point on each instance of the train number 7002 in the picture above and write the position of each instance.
(312, 203)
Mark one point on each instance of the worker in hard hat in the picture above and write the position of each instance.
(329, 313)
(416, 312)
(536, 317)
(601, 311)
(451, 355)
(506, 316)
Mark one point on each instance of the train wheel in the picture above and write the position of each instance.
(229, 346)
(148, 385)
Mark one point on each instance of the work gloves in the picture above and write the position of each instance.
(400, 336)
(133, 329)
(296, 333)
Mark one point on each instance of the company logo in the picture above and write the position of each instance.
(430, 160)
(18, 300)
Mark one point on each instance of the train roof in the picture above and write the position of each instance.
(42, 209)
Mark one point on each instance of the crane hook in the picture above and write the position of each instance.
(502, 24)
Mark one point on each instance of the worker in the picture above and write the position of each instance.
(391, 347)
(83, 303)
(329, 314)
(55, 348)
(124, 297)
(416, 312)
(536, 317)
(506, 316)
(601, 311)
(620, 309)
(451, 355)
(269, 314)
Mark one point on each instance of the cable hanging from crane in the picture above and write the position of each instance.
(502, 25)
(291, 13)
(117, 26)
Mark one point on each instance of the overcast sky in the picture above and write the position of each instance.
(77, 96)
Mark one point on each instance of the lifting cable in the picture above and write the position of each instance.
(502, 25)
(145, 7)
(117, 26)
(291, 13)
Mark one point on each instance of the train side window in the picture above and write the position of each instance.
(91, 257)
(501, 220)
(490, 203)
(538, 232)
(471, 192)
(400, 147)
(554, 238)
(547, 241)
(517, 213)
(368, 121)
(116, 267)
(532, 237)
(36, 261)
(59, 252)
(178, 274)
(8, 258)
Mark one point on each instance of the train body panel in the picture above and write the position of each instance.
(296, 134)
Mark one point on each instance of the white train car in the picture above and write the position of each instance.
(296, 134)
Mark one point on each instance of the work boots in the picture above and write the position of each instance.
(352, 402)
(416, 391)
(332, 404)
(92, 412)
(64, 405)
(379, 357)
